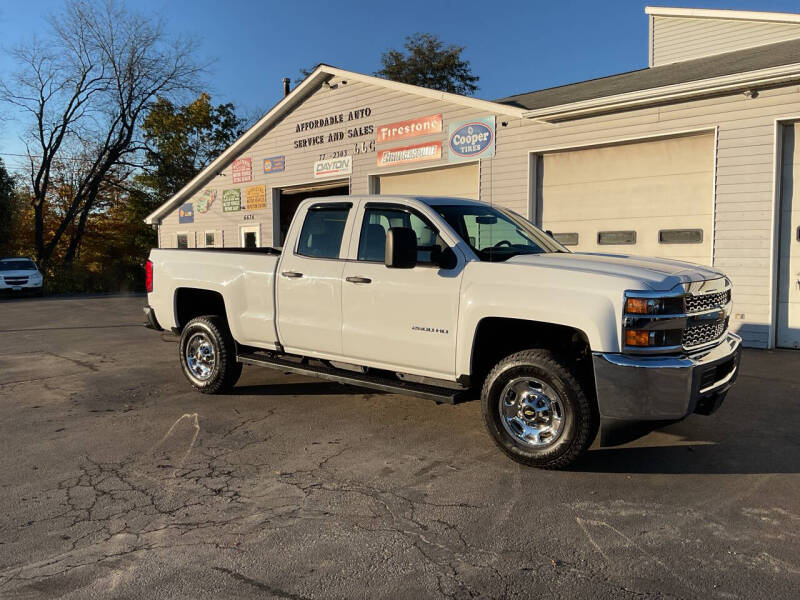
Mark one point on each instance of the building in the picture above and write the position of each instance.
(692, 158)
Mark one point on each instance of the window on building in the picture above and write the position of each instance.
(566, 239)
(211, 239)
(321, 236)
(610, 238)
(680, 236)
(183, 240)
(377, 221)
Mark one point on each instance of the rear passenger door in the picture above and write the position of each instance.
(309, 280)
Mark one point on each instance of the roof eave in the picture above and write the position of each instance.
(732, 15)
(682, 91)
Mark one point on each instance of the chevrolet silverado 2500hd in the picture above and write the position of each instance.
(448, 298)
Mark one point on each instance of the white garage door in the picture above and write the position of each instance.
(789, 257)
(650, 198)
(461, 181)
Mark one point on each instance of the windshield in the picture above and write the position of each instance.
(17, 264)
(496, 234)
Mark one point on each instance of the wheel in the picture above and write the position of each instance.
(536, 411)
(208, 355)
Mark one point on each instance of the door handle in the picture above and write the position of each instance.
(358, 279)
(292, 274)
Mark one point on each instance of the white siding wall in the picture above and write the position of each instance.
(675, 39)
(744, 186)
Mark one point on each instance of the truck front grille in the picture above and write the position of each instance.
(697, 335)
(695, 304)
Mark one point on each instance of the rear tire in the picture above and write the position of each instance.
(536, 411)
(208, 355)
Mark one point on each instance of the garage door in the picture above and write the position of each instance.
(650, 198)
(461, 181)
(789, 257)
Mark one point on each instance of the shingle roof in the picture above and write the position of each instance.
(740, 61)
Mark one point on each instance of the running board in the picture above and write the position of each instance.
(384, 384)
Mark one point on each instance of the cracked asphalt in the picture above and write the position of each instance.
(118, 481)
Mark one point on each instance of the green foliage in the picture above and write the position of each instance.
(182, 140)
(12, 210)
(429, 63)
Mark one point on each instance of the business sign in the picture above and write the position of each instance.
(473, 139)
(242, 170)
(255, 197)
(410, 154)
(333, 166)
(205, 200)
(231, 200)
(412, 128)
(186, 213)
(275, 164)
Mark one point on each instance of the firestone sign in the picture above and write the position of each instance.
(411, 128)
(472, 139)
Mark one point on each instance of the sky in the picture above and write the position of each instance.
(252, 44)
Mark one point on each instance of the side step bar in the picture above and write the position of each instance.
(384, 384)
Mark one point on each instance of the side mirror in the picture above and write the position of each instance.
(401, 248)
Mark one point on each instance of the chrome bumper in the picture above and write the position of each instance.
(665, 388)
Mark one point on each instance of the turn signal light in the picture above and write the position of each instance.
(635, 337)
(636, 306)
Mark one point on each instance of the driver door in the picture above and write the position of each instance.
(399, 319)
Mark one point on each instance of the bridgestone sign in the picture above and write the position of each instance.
(409, 154)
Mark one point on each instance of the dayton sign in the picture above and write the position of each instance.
(335, 166)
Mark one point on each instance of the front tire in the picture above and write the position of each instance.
(208, 355)
(536, 410)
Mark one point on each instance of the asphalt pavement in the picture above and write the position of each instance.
(118, 481)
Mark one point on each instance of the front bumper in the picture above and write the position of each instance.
(665, 388)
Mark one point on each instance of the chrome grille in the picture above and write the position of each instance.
(697, 335)
(703, 302)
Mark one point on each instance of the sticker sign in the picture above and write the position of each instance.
(472, 139)
(274, 164)
(256, 197)
(410, 154)
(333, 166)
(205, 200)
(412, 128)
(186, 213)
(242, 170)
(231, 200)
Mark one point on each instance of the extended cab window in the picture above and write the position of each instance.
(321, 236)
(378, 220)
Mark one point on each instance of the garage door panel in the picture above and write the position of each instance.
(461, 181)
(644, 186)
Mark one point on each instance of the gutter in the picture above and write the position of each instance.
(658, 95)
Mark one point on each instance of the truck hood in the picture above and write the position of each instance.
(656, 273)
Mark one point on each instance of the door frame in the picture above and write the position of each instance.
(775, 234)
(256, 228)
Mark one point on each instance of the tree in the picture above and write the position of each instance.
(428, 62)
(8, 211)
(86, 90)
(182, 140)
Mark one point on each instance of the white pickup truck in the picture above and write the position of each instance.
(454, 299)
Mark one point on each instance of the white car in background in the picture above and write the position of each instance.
(19, 275)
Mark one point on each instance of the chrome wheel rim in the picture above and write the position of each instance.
(531, 412)
(200, 356)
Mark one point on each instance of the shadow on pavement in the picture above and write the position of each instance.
(304, 388)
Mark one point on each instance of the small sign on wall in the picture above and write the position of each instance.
(472, 139)
(410, 154)
(274, 164)
(206, 200)
(256, 197)
(186, 213)
(334, 166)
(411, 128)
(242, 170)
(231, 200)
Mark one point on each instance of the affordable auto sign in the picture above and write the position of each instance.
(471, 139)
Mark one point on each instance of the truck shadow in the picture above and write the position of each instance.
(300, 388)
